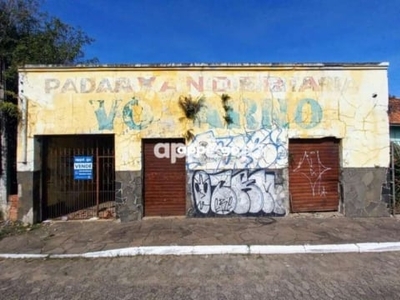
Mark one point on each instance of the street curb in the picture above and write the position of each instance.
(221, 249)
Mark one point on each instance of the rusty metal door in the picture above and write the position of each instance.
(63, 194)
(314, 174)
(164, 181)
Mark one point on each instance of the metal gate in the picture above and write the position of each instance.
(66, 196)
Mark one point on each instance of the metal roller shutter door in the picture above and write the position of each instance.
(164, 182)
(314, 174)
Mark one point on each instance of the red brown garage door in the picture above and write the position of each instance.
(164, 181)
(314, 174)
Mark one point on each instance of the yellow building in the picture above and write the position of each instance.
(202, 140)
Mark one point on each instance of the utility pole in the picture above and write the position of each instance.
(3, 146)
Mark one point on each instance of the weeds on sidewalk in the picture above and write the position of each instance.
(8, 228)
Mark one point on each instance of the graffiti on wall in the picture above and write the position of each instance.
(119, 199)
(241, 192)
(311, 167)
(264, 148)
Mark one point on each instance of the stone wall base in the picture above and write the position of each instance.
(363, 192)
(128, 195)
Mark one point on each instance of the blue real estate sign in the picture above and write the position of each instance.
(83, 167)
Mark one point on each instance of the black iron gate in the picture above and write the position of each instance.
(65, 196)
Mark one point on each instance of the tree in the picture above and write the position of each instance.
(29, 36)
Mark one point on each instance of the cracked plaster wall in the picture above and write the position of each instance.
(136, 103)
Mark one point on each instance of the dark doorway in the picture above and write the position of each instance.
(71, 192)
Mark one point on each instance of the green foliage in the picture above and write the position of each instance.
(54, 43)
(189, 135)
(225, 104)
(396, 161)
(228, 119)
(191, 107)
(225, 99)
(8, 228)
(10, 112)
(29, 36)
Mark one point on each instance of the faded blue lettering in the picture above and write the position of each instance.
(105, 122)
(214, 119)
(274, 114)
(280, 114)
(316, 113)
(235, 118)
(249, 115)
(266, 113)
(128, 115)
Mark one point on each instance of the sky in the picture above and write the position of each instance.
(238, 31)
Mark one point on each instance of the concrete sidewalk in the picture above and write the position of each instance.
(77, 237)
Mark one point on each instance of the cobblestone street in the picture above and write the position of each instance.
(329, 276)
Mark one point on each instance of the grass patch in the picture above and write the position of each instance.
(8, 228)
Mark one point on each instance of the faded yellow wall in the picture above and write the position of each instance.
(300, 103)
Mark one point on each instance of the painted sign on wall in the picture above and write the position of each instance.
(215, 83)
(137, 114)
(136, 103)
